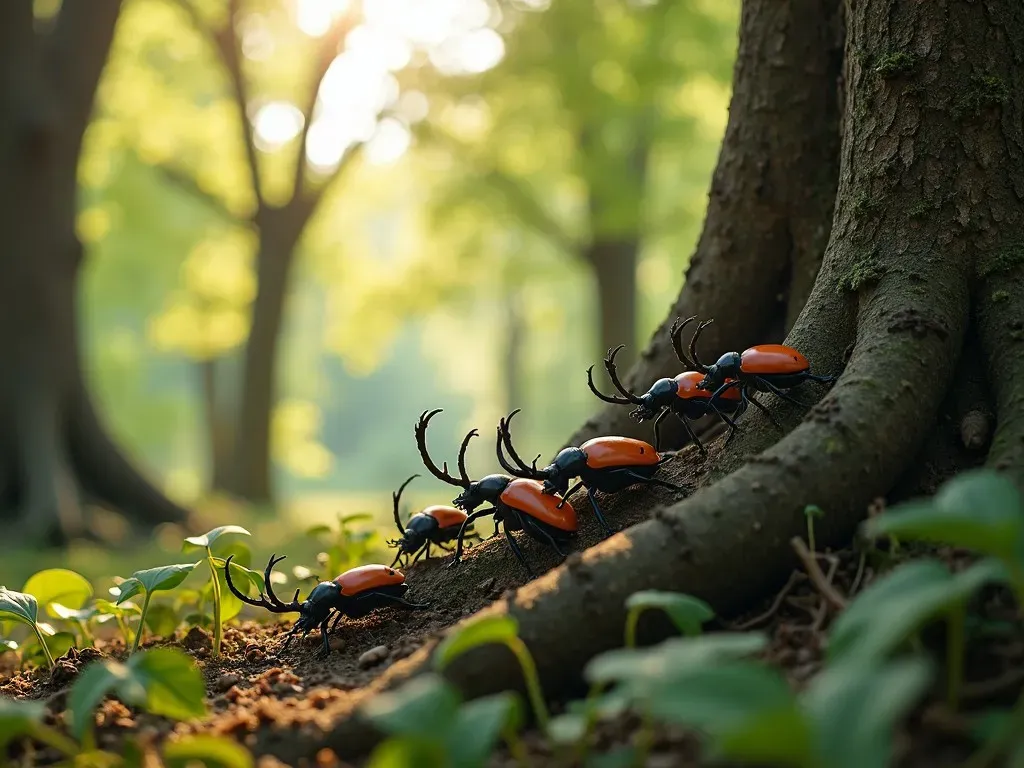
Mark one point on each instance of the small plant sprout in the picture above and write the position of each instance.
(151, 580)
(163, 681)
(688, 613)
(429, 725)
(812, 511)
(504, 630)
(205, 543)
(108, 610)
(22, 608)
(206, 750)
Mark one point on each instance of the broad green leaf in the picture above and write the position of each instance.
(193, 543)
(854, 708)
(424, 707)
(567, 728)
(162, 619)
(356, 517)
(74, 614)
(163, 578)
(319, 530)
(18, 606)
(672, 657)
(490, 629)
(478, 726)
(241, 576)
(619, 757)
(128, 589)
(772, 736)
(687, 613)
(234, 548)
(113, 609)
(209, 751)
(408, 753)
(173, 684)
(58, 585)
(888, 612)
(980, 510)
(92, 686)
(17, 718)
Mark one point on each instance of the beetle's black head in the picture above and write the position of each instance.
(483, 491)
(727, 367)
(567, 464)
(325, 596)
(410, 542)
(660, 395)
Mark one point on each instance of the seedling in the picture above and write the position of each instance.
(161, 579)
(686, 612)
(504, 630)
(108, 610)
(349, 546)
(895, 608)
(162, 681)
(24, 609)
(205, 543)
(428, 724)
(812, 511)
(207, 750)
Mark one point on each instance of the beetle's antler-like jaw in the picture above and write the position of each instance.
(270, 601)
(442, 473)
(520, 469)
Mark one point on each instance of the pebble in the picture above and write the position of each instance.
(197, 639)
(254, 653)
(487, 585)
(373, 656)
(226, 681)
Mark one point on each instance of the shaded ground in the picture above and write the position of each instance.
(279, 704)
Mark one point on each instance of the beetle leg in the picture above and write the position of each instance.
(518, 552)
(780, 393)
(653, 481)
(462, 533)
(568, 493)
(691, 433)
(397, 560)
(338, 616)
(428, 549)
(763, 409)
(822, 378)
(289, 637)
(657, 429)
(598, 513)
(325, 651)
(393, 600)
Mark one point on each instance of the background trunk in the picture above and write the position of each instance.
(770, 205)
(614, 263)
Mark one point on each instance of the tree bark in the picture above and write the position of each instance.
(54, 447)
(770, 205)
(926, 224)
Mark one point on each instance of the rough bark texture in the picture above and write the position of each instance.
(771, 198)
(931, 201)
(54, 449)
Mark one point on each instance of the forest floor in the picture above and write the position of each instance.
(278, 704)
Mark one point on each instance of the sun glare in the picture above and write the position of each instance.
(314, 17)
(277, 123)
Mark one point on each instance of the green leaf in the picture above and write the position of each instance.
(424, 707)
(980, 509)
(888, 612)
(319, 530)
(174, 686)
(408, 753)
(567, 728)
(854, 709)
(193, 543)
(490, 629)
(813, 510)
(74, 614)
(672, 657)
(129, 588)
(107, 607)
(687, 613)
(209, 751)
(162, 619)
(237, 549)
(58, 585)
(92, 686)
(17, 717)
(18, 606)
(478, 726)
(356, 517)
(161, 579)
(619, 757)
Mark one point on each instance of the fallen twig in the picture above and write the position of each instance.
(822, 584)
(794, 578)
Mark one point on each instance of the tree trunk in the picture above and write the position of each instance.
(251, 476)
(926, 237)
(54, 449)
(770, 205)
(218, 426)
(614, 263)
(512, 361)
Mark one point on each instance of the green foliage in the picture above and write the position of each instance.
(18, 718)
(24, 609)
(687, 613)
(148, 581)
(58, 586)
(429, 725)
(895, 64)
(163, 681)
(209, 751)
(350, 545)
(207, 540)
(218, 587)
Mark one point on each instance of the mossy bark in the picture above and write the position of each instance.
(931, 198)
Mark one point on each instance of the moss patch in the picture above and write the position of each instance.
(1002, 260)
(894, 64)
(862, 272)
(985, 91)
(998, 296)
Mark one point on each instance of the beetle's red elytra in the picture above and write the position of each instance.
(603, 452)
(528, 496)
(687, 389)
(446, 516)
(365, 577)
(773, 358)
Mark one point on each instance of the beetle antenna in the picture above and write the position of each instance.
(395, 498)
(462, 456)
(600, 395)
(609, 365)
(273, 604)
(502, 459)
(676, 334)
(421, 443)
(693, 344)
(506, 435)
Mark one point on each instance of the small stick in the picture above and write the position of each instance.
(823, 586)
(794, 578)
(833, 566)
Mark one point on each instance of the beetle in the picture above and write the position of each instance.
(355, 593)
(517, 504)
(773, 368)
(607, 464)
(679, 395)
(436, 524)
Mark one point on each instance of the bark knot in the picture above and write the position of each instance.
(917, 324)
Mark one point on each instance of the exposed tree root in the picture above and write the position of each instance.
(770, 204)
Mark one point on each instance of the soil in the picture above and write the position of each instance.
(277, 704)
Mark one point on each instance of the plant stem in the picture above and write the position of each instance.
(810, 534)
(644, 738)
(583, 746)
(216, 604)
(632, 620)
(44, 734)
(42, 644)
(955, 651)
(142, 624)
(515, 746)
(533, 688)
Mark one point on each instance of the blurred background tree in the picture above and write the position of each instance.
(308, 220)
